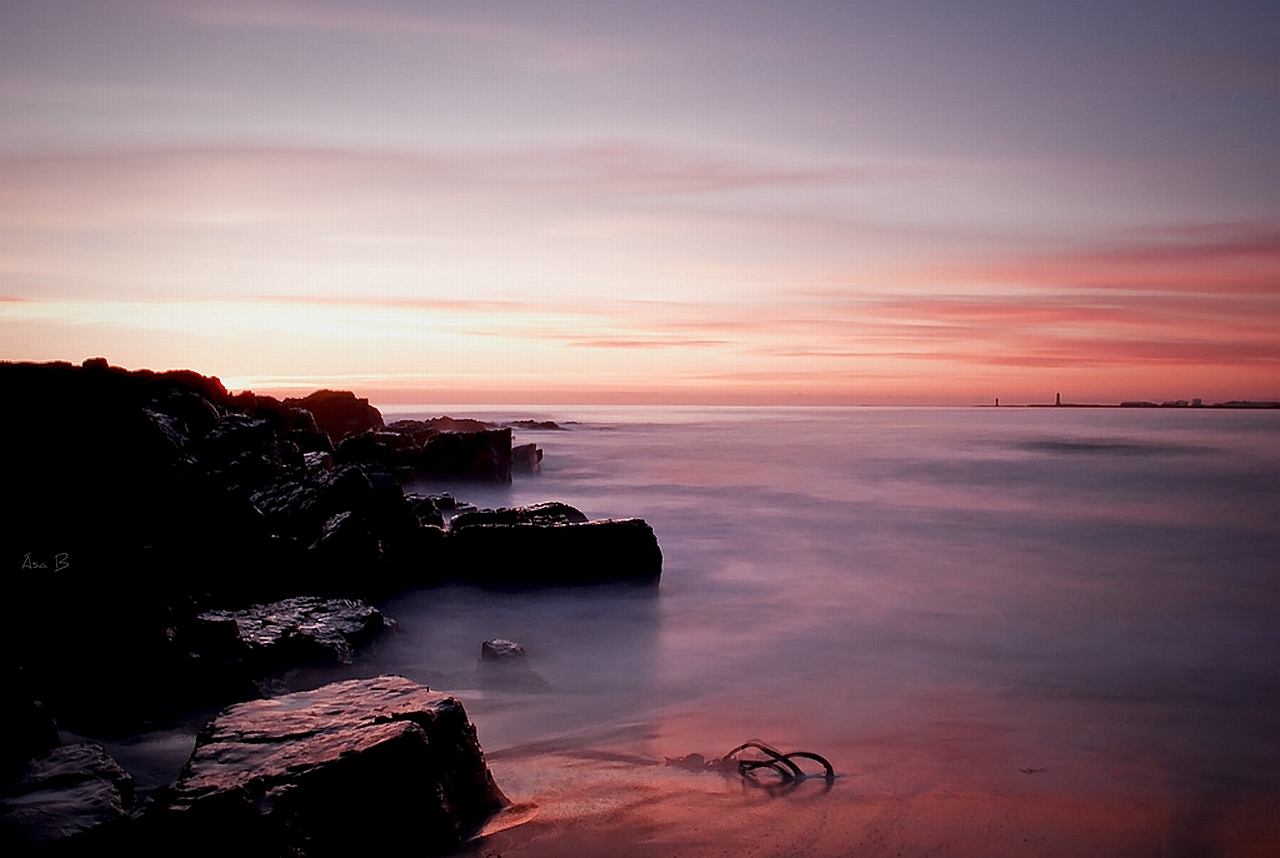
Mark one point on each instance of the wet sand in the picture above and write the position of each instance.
(936, 784)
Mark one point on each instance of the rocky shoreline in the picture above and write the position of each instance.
(172, 545)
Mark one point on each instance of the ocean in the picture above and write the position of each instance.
(1032, 631)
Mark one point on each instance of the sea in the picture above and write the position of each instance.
(1011, 630)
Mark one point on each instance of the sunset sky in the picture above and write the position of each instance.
(687, 202)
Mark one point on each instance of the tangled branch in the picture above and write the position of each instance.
(788, 772)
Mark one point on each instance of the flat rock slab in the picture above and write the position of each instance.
(288, 632)
(350, 768)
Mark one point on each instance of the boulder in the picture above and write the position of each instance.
(534, 554)
(70, 800)
(339, 412)
(526, 459)
(483, 456)
(363, 767)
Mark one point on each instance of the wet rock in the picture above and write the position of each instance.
(70, 800)
(532, 554)
(526, 459)
(389, 449)
(537, 425)
(361, 767)
(317, 461)
(299, 503)
(339, 413)
(483, 456)
(244, 452)
(347, 538)
(428, 510)
(505, 664)
(287, 633)
(283, 417)
(502, 650)
(551, 512)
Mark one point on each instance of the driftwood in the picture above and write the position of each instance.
(788, 773)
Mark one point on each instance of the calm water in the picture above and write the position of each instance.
(1092, 595)
(1007, 600)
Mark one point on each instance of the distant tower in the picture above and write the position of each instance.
(997, 402)
(1059, 400)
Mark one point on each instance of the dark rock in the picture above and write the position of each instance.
(529, 554)
(317, 461)
(295, 631)
(504, 664)
(551, 512)
(500, 649)
(27, 730)
(483, 456)
(339, 413)
(526, 459)
(428, 510)
(418, 430)
(537, 425)
(389, 449)
(71, 800)
(298, 504)
(284, 418)
(446, 502)
(347, 538)
(361, 767)
(308, 442)
(244, 452)
(423, 430)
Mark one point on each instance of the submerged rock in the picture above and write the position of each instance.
(502, 650)
(361, 767)
(505, 664)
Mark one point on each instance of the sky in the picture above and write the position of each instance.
(663, 202)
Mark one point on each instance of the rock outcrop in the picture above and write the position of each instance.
(363, 767)
(70, 801)
(339, 413)
(141, 500)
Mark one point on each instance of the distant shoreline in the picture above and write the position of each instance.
(1240, 405)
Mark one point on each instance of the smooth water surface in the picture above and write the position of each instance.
(999, 624)
(1088, 598)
